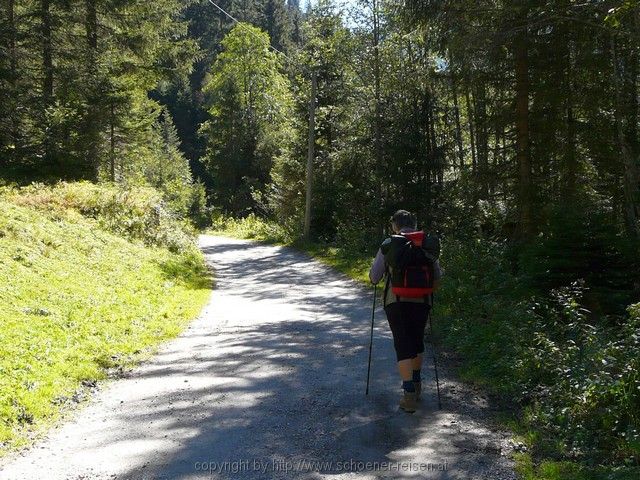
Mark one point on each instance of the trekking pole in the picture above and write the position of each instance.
(373, 311)
(433, 349)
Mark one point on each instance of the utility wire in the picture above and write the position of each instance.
(236, 21)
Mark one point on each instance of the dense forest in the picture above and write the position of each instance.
(498, 118)
(510, 127)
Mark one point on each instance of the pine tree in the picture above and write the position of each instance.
(249, 104)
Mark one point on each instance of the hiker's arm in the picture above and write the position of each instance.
(377, 269)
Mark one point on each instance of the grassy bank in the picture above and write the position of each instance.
(91, 280)
(570, 382)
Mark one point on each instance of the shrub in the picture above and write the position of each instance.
(583, 380)
(579, 242)
(574, 373)
(252, 227)
(138, 213)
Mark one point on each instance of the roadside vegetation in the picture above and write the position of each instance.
(92, 279)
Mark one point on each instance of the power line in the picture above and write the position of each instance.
(237, 22)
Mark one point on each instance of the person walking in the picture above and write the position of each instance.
(408, 261)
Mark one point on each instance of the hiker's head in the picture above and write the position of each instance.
(402, 219)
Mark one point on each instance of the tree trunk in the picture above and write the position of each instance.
(432, 160)
(378, 109)
(632, 87)
(525, 200)
(426, 165)
(47, 52)
(456, 112)
(112, 143)
(472, 140)
(482, 138)
(47, 73)
(14, 120)
(92, 121)
(571, 160)
(310, 157)
(629, 167)
(497, 133)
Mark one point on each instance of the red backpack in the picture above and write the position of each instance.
(411, 257)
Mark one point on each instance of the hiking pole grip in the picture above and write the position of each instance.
(373, 311)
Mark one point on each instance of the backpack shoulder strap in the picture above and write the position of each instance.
(431, 245)
(386, 245)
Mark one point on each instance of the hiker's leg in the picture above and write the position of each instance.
(402, 340)
(405, 367)
(405, 352)
(416, 363)
(418, 315)
(416, 375)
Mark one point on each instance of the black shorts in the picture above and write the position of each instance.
(407, 321)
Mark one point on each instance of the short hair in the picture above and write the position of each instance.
(403, 219)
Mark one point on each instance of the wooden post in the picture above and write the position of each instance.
(310, 156)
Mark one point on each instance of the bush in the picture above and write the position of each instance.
(582, 379)
(479, 312)
(252, 227)
(198, 210)
(574, 373)
(138, 213)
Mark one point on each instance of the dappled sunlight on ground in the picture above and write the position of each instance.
(272, 373)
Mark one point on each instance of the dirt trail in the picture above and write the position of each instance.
(269, 383)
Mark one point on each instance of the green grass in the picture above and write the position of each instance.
(75, 302)
(133, 212)
(565, 470)
(250, 227)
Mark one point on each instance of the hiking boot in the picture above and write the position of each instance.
(418, 387)
(408, 402)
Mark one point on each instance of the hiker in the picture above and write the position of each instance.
(407, 305)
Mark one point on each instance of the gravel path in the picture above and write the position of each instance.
(269, 383)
